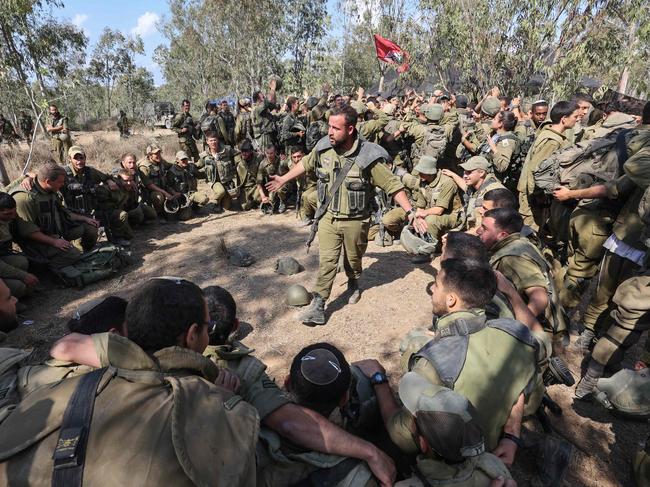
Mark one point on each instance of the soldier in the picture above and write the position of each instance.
(533, 207)
(138, 210)
(307, 192)
(7, 131)
(183, 125)
(61, 139)
(8, 318)
(123, 125)
(523, 264)
(57, 235)
(220, 164)
(247, 168)
(505, 150)
(14, 266)
(26, 126)
(169, 320)
(113, 205)
(269, 168)
(263, 120)
(292, 133)
(430, 136)
(528, 125)
(474, 142)
(226, 122)
(243, 121)
(476, 181)
(345, 207)
(182, 179)
(153, 175)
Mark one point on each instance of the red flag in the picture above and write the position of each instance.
(391, 53)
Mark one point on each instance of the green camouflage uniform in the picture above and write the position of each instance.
(186, 139)
(150, 172)
(347, 219)
(247, 172)
(221, 173)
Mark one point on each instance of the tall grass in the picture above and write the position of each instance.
(102, 151)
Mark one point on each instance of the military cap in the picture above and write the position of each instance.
(491, 106)
(311, 102)
(246, 145)
(287, 266)
(433, 112)
(153, 148)
(181, 154)
(74, 150)
(359, 106)
(417, 244)
(427, 165)
(476, 162)
(443, 417)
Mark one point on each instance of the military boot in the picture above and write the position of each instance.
(558, 372)
(355, 292)
(315, 313)
(553, 458)
(282, 207)
(584, 342)
(587, 387)
(421, 259)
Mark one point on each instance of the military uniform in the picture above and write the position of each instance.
(266, 169)
(226, 122)
(13, 265)
(163, 387)
(373, 129)
(524, 265)
(150, 172)
(112, 205)
(546, 142)
(221, 173)
(504, 159)
(184, 181)
(441, 192)
(138, 210)
(289, 137)
(243, 126)
(473, 198)
(247, 173)
(264, 124)
(308, 194)
(61, 141)
(186, 139)
(495, 355)
(345, 224)
(430, 138)
(45, 212)
(79, 190)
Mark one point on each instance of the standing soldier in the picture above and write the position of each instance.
(60, 133)
(26, 126)
(292, 134)
(183, 125)
(348, 168)
(263, 119)
(226, 122)
(243, 122)
(123, 125)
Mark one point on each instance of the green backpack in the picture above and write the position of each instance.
(100, 263)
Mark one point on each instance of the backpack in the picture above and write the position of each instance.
(314, 134)
(434, 143)
(585, 164)
(209, 124)
(100, 263)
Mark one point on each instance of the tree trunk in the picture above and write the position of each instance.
(4, 177)
(622, 81)
(381, 84)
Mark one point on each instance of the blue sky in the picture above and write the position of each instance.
(131, 16)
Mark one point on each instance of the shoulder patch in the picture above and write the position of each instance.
(505, 143)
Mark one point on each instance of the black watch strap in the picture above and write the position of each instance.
(378, 378)
(515, 439)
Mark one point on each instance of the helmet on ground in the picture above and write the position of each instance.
(240, 257)
(417, 244)
(287, 266)
(628, 392)
(297, 295)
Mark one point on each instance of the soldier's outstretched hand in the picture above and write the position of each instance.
(274, 184)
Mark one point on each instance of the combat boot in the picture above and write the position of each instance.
(558, 372)
(315, 313)
(587, 387)
(421, 259)
(282, 207)
(355, 292)
(584, 342)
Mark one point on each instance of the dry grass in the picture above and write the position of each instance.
(103, 149)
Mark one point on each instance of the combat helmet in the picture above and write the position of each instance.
(297, 295)
(491, 106)
(433, 112)
(287, 266)
(361, 412)
(175, 205)
(427, 165)
(626, 392)
(417, 244)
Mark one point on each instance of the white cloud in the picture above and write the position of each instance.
(79, 19)
(146, 24)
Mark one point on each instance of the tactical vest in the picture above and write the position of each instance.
(181, 179)
(474, 199)
(353, 198)
(522, 247)
(79, 195)
(157, 172)
(221, 168)
(51, 218)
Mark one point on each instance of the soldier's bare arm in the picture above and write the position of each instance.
(537, 299)
(276, 182)
(76, 348)
(507, 448)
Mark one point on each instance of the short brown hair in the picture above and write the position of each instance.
(128, 154)
(350, 114)
(50, 171)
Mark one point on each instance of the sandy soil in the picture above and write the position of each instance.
(394, 301)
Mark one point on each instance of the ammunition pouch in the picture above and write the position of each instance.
(321, 185)
(357, 196)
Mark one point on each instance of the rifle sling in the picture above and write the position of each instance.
(69, 455)
(320, 211)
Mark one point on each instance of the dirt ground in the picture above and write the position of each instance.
(394, 301)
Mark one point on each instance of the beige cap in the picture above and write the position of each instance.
(74, 150)
(181, 154)
(152, 149)
(476, 162)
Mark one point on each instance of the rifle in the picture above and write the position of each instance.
(298, 200)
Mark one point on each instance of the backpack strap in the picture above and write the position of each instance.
(70, 453)
(621, 147)
(515, 329)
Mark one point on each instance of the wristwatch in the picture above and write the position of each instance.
(378, 378)
(412, 211)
